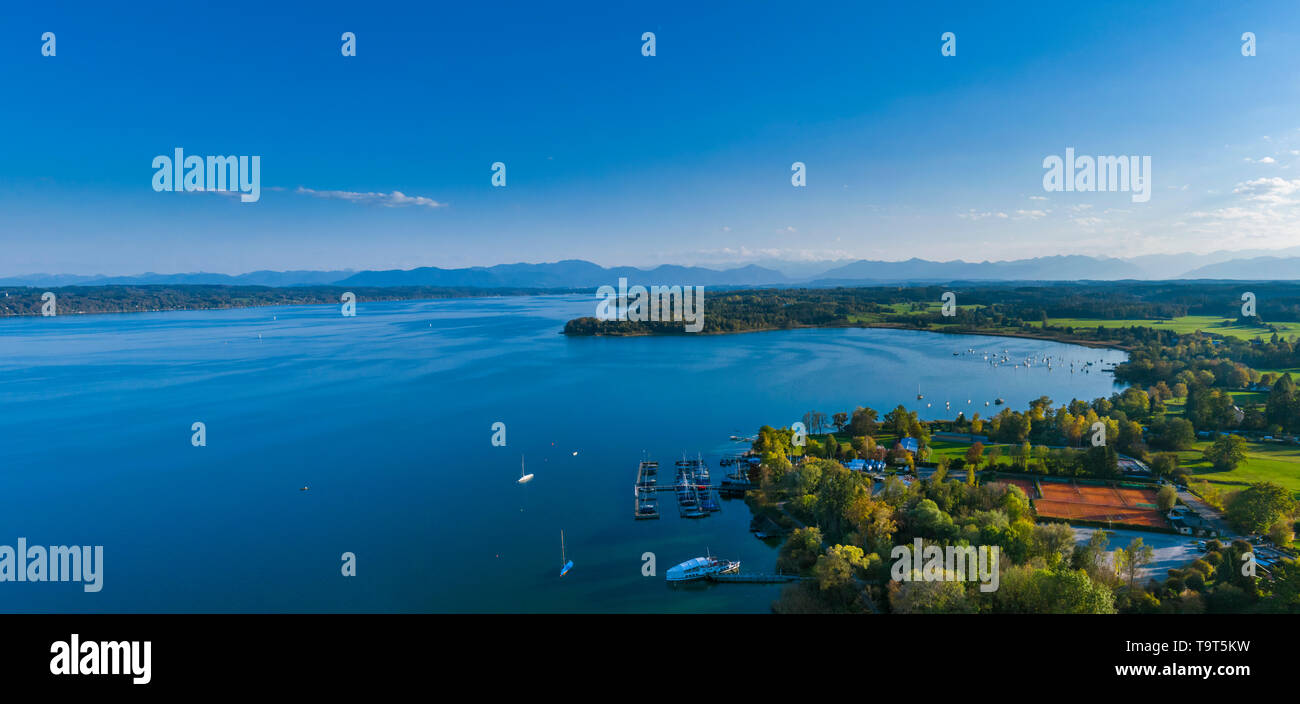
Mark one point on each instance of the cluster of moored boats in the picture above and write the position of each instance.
(997, 359)
(697, 497)
(694, 489)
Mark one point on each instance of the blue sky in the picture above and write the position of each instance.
(618, 158)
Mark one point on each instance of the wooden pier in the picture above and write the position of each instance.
(756, 578)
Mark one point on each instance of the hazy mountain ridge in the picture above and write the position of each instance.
(577, 273)
(573, 273)
(1072, 267)
(1271, 268)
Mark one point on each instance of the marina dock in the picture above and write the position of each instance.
(757, 578)
(646, 501)
(694, 490)
(697, 496)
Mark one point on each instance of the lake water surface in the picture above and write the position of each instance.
(387, 418)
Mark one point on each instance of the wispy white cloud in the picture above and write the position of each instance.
(396, 199)
(1266, 212)
(973, 214)
(1275, 191)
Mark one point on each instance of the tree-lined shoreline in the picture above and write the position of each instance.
(153, 298)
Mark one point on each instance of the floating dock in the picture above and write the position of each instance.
(695, 497)
(646, 507)
(688, 501)
(646, 500)
(689, 504)
(647, 474)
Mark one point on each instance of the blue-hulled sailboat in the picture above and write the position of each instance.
(565, 563)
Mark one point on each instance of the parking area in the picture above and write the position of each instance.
(1171, 550)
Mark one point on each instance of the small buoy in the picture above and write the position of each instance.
(305, 488)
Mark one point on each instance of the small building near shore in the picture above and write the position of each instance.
(1191, 524)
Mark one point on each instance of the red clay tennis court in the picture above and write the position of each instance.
(1025, 485)
(1100, 503)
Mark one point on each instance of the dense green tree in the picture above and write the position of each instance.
(1054, 542)
(1166, 498)
(1130, 561)
(1172, 434)
(948, 596)
(1164, 465)
(927, 521)
(1256, 508)
(835, 569)
(863, 422)
(1227, 452)
(800, 551)
(840, 420)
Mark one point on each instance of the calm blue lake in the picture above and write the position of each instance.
(387, 418)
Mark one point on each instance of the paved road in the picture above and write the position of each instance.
(1209, 513)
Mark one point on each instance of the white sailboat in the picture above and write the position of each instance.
(523, 478)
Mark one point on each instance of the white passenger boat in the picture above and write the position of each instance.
(700, 568)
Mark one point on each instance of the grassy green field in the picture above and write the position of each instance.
(1248, 398)
(1269, 462)
(1187, 324)
(1272, 462)
(929, 307)
(1266, 462)
(1295, 372)
(903, 308)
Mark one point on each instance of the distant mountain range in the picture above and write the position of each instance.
(572, 273)
(576, 273)
(1255, 268)
(1064, 268)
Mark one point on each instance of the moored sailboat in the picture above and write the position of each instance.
(565, 563)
